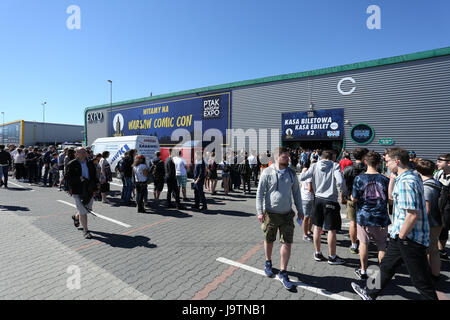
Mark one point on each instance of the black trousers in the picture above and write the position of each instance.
(199, 194)
(246, 182)
(141, 194)
(172, 187)
(20, 171)
(443, 237)
(255, 171)
(414, 256)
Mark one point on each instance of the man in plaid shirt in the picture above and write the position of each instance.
(410, 233)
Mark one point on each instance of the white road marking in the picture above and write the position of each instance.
(150, 188)
(99, 215)
(18, 185)
(298, 284)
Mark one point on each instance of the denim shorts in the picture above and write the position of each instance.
(308, 207)
(181, 181)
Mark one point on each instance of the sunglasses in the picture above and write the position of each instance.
(440, 159)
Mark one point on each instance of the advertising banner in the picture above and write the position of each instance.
(11, 133)
(313, 125)
(162, 118)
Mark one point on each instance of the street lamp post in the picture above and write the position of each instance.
(3, 128)
(110, 108)
(43, 119)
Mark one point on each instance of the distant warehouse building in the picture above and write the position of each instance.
(398, 101)
(30, 133)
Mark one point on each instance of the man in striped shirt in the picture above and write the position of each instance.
(410, 233)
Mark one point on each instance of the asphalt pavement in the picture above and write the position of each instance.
(165, 253)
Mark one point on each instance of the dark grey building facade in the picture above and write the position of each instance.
(400, 101)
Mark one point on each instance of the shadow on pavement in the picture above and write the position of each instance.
(122, 241)
(19, 189)
(13, 208)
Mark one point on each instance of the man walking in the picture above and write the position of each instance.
(326, 179)
(350, 173)
(410, 233)
(277, 184)
(83, 183)
(370, 197)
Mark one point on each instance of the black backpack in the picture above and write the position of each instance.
(443, 202)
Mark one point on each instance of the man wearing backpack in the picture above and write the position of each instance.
(350, 173)
(277, 184)
(432, 190)
(410, 233)
(370, 196)
(443, 176)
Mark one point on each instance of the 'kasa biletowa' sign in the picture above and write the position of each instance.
(313, 125)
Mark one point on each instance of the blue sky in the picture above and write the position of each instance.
(163, 46)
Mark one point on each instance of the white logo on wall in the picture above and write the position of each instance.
(289, 133)
(334, 126)
(346, 93)
(118, 124)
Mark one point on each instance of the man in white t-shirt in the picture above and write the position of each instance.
(253, 162)
(181, 174)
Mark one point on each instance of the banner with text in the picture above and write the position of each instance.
(162, 118)
(313, 125)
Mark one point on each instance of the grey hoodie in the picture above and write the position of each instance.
(275, 191)
(326, 179)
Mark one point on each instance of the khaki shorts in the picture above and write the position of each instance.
(276, 221)
(433, 248)
(377, 234)
(351, 210)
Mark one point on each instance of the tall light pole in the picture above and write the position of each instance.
(3, 128)
(110, 108)
(43, 119)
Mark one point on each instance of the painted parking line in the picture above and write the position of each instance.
(150, 188)
(301, 285)
(22, 187)
(99, 215)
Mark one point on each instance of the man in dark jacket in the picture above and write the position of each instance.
(199, 180)
(171, 180)
(350, 173)
(5, 164)
(158, 172)
(82, 180)
(47, 158)
(127, 167)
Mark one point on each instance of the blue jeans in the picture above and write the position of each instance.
(128, 187)
(4, 173)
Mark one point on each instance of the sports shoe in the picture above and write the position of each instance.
(268, 269)
(319, 257)
(361, 292)
(87, 235)
(283, 277)
(335, 261)
(307, 239)
(354, 250)
(360, 275)
(443, 254)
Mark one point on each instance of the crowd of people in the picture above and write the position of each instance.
(396, 189)
(416, 189)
